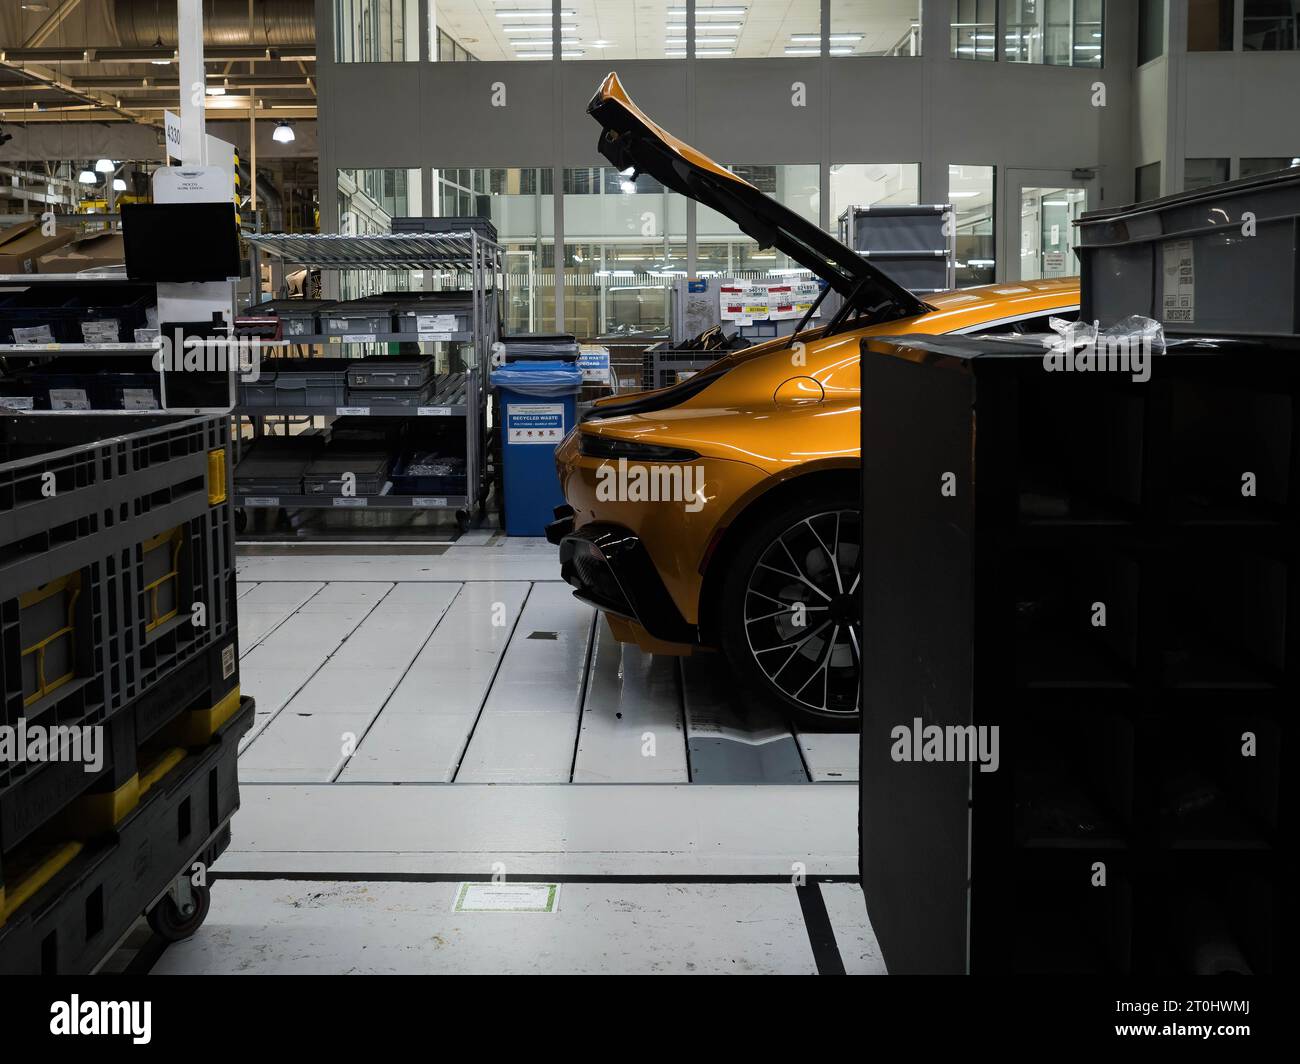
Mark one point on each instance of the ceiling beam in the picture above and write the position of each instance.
(55, 19)
(53, 79)
(285, 53)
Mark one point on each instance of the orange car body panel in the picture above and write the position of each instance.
(783, 409)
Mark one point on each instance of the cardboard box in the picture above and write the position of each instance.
(96, 252)
(22, 245)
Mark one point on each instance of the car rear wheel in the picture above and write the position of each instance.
(791, 621)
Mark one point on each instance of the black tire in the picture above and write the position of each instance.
(791, 618)
(169, 924)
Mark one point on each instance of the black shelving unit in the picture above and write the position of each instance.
(1006, 506)
(471, 259)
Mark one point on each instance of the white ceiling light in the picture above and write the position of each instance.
(712, 27)
(962, 195)
(533, 31)
(119, 184)
(710, 53)
(680, 42)
(816, 38)
(87, 177)
(533, 13)
(216, 90)
(104, 166)
(602, 44)
(711, 12)
(283, 133)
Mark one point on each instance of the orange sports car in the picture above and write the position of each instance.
(723, 512)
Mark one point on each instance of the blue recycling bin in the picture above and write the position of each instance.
(537, 403)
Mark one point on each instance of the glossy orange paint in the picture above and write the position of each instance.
(782, 409)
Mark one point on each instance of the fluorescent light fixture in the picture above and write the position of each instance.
(962, 195)
(674, 55)
(104, 166)
(711, 12)
(980, 262)
(1055, 203)
(712, 27)
(533, 13)
(216, 90)
(802, 51)
(534, 31)
(119, 184)
(841, 50)
(711, 52)
(283, 133)
(816, 38)
(87, 177)
(602, 44)
(565, 41)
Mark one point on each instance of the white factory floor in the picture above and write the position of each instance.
(425, 718)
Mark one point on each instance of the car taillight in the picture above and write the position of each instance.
(592, 446)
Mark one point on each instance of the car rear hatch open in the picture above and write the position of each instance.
(631, 140)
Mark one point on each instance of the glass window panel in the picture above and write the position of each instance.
(747, 29)
(875, 27)
(368, 201)
(1047, 231)
(722, 250)
(470, 30)
(625, 243)
(971, 193)
(520, 203)
(376, 31)
(1054, 32)
(1151, 30)
(1209, 25)
(1263, 165)
(867, 184)
(1271, 25)
(1147, 182)
(975, 29)
(1198, 173)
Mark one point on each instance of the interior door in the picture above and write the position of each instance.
(1039, 209)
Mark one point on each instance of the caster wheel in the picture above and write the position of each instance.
(170, 924)
(241, 520)
(462, 521)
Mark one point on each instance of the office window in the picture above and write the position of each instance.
(1146, 180)
(625, 243)
(368, 201)
(975, 29)
(468, 30)
(875, 27)
(520, 203)
(971, 193)
(749, 29)
(722, 250)
(1209, 25)
(869, 184)
(376, 31)
(1054, 32)
(1199, 173)
(1151, 30)
(622, 29)
(1271, 25)
(1263, 165)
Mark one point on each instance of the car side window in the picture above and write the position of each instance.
(1026, 326)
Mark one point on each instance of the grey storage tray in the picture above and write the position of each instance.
(1196, 262)
(358, 317)
(297, 382)
(324, 476)
(384, 372)
(298, 317)
(400, 397)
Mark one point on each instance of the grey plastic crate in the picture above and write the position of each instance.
(387, 372)
(298, 317)
(297, 383)
(1223, 260)
(418, 313)
(98, 583)
(358, 317)
(324, 476)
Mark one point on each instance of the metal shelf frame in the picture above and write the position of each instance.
(460, 253)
